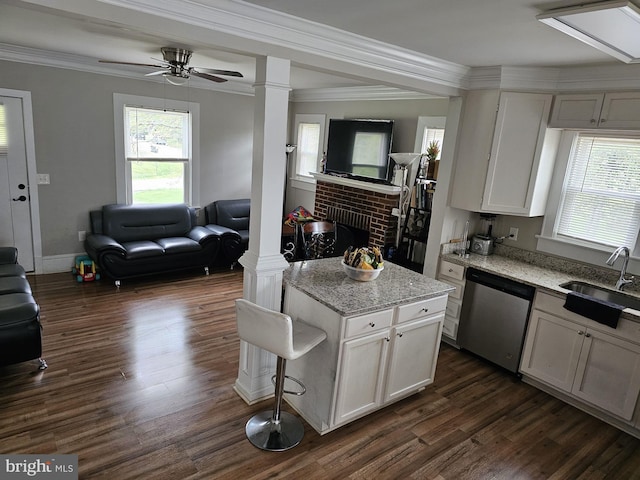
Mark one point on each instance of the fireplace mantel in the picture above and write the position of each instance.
(349, 182)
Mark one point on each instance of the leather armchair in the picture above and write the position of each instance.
(230, 220)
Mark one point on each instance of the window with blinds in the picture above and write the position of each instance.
(600, 201)
(4, 142)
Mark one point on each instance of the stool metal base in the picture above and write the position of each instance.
(265, 434)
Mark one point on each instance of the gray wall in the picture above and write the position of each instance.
(74, 141)
(404, 112)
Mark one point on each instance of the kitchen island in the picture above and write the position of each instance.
(383, 338)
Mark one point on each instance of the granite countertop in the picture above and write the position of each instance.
(325, 281)
(539, 276)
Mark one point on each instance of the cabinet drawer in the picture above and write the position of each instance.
(459, 287)
(448, 269)
(450, 327)
(369, 323)
(421, 309)
(453, 309)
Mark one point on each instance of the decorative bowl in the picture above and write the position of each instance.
(360, 274)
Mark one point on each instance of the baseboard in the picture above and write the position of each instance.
(59, 263)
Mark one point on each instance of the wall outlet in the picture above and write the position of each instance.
(513, 234)
(43, 179)
(82, 235)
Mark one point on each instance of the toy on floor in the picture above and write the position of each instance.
(85, 269)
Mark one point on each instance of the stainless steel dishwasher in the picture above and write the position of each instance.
(495, 312)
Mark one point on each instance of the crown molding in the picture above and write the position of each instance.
(374, 92)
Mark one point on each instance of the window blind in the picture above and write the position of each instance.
(601, 196)
(4, 142)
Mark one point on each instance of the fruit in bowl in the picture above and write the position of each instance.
(363, 264)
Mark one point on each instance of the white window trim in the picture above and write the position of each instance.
(119, 102)
(586, 252)
(298, 181)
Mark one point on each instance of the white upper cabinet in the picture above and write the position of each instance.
(505, 154)
(614, 111)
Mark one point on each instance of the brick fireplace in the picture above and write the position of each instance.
(359, 205)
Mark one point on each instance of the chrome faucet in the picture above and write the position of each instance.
(623, 271)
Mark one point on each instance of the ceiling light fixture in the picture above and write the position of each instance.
(612, 27)
(175, 79)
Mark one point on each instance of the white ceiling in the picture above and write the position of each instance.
(445, 35)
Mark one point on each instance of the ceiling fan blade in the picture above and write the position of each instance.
(229, 73)
(207, 76)
(159, 72)
(131, 63)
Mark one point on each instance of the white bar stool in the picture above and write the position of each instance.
(275, 332)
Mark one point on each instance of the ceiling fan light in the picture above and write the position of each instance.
(611, 26)
(175, 80)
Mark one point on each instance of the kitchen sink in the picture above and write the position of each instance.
(601, 293)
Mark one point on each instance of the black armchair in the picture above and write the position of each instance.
(229, 219)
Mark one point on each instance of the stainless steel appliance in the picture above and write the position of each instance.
(493, 321)
(482, 244)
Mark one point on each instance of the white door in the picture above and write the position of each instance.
(15, 211)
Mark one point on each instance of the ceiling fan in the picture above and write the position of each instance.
(176, 70)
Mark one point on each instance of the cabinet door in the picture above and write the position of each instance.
(360, 376)
(516, 154)
(621, 111)
(552, 349)
(608, 374)
(576, 111)
(474, 146)
(413, 357)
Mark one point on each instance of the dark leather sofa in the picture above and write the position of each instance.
(229, 219)
(20, 328)
(133, 240)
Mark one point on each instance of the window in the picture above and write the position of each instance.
(157, 149)
(432, 135)
(594, 201)
(600, 200)
(4, 145)
(158, 157)
(309, 141)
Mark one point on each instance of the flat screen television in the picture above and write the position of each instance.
(360, 148)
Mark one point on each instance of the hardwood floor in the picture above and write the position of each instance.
(139, 385)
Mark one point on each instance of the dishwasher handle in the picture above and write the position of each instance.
(500, 283)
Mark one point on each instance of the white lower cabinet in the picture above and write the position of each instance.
(367, 362)
(360, 380)
(580, 358)
(453, 275)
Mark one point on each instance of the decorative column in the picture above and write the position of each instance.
(263, 263)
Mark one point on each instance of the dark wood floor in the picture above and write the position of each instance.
(140, 381)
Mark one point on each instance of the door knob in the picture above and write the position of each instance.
(21, 198)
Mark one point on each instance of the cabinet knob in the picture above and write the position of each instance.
(387, 339)
(603, 120)
(371, 324)
(580, 332)
(400, 334)
(593, 121)
(425, 310)
(587, 335)
(450, 270)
